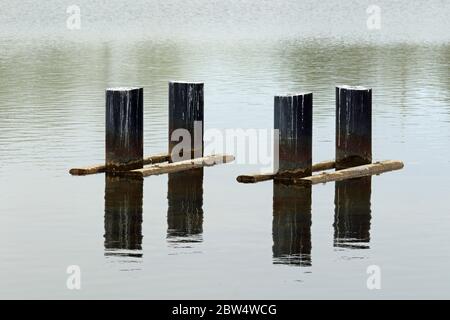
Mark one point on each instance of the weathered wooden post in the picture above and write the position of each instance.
(186, 113)
(293, 119)
(124, 129)
(352, 213)
(123, 213)
(353, 126)
(185, 206)
(291, 226)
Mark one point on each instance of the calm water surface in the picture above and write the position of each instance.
(201, 234)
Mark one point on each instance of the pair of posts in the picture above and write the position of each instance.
(125, 124)
(293, 119)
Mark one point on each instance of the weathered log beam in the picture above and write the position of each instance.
(258, 177)
(255, 177)
(324, 165)
(354, 172)
(100, 168)
(162, 168)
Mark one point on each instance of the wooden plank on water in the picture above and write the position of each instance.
(354, 172)
(162, 168)
(158, 158)
(258, 177)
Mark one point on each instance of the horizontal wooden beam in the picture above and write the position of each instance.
(353, 172)
(162, 168)
(324, 165)
(158, 158)
(258, 177)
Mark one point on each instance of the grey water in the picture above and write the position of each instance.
(202, 235)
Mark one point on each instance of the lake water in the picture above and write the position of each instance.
(201, 234)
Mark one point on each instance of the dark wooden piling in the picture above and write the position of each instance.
(124, 129)
(186, 112)
(291, 227)
(185, 206)
(123, 214)
(293, 119)
(353, 126)
(352, 213)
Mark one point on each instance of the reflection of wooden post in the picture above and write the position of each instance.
(291, 226)
(123, 213)
(185, 206)
(186, 112)
(352, 213)
(293, 119)
(124, 129)
(353, 126)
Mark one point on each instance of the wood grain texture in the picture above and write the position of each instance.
(354, 172)
(258, 177)
(162, 168)
(100, 168)
(124, 129)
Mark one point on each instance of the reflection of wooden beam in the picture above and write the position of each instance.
(257, 177)
(353, 172)
(180, 165)
(101, 167)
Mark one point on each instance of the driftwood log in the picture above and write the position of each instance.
(354, 172)
(258, 177)
(158, 158)
(162, 168)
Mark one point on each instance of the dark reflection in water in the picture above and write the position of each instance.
(291, 227)
(185, 207)
(352, 213)
(123, 216)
